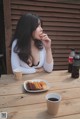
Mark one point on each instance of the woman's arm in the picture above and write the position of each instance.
(48, 62)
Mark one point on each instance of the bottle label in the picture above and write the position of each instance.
(70, 59)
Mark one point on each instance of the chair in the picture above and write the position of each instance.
(2, 64)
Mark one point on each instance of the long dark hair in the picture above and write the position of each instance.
(25, 27)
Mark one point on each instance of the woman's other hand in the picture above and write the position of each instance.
(39, 69)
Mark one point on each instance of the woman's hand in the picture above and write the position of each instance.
(39, 69)
(46, 41)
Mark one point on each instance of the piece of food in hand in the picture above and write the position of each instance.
(36, 85)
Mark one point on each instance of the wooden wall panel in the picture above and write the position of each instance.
(8, 32)
(61, 21)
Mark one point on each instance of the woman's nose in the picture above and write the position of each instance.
(41, 29)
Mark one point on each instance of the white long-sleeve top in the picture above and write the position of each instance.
(17, 63)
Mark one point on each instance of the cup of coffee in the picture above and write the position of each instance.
(18, 74)
(53, 102)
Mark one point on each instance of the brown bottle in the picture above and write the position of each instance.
(70, 60)
(76, 64)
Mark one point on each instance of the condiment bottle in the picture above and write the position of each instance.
(70, 59)
(76, 64)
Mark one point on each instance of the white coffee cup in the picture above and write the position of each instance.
(18, 74)
(53, 102)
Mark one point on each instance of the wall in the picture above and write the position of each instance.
(61, 21)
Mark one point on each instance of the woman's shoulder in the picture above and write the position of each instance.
(14, 42)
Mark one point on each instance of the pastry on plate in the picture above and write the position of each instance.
(41, 85)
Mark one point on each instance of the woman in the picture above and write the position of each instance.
(30, 46)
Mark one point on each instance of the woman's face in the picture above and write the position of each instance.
(36, 34)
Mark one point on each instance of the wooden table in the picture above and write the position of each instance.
(22, 105)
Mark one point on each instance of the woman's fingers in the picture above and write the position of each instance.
(45, 40)
(44, 37)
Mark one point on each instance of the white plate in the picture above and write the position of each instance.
(35, 80)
